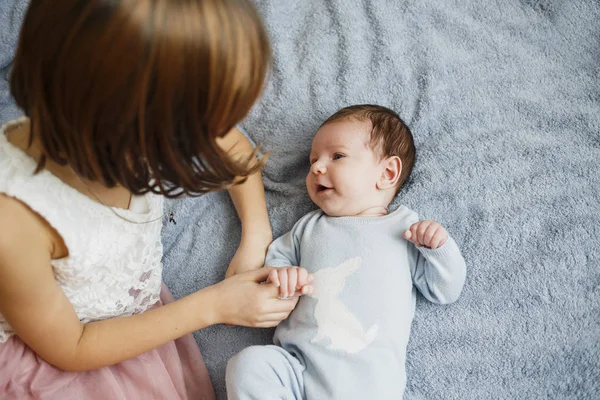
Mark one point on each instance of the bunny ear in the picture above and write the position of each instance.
(349, 266)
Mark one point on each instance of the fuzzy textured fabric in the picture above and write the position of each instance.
(503, 99)
(11, 15)
(504, 102)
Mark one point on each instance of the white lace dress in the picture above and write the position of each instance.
(113, 269)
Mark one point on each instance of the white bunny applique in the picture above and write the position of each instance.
(334, 321)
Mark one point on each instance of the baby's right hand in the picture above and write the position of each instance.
(291, 281)
(243, 300)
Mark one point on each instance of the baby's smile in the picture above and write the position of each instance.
(323, 189)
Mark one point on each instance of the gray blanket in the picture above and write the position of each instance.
(504, 101)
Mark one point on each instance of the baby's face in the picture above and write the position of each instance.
(344, 169)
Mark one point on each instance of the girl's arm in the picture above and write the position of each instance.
(250, 204)
(36, 308)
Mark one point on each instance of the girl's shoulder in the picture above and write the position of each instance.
(21, 192)
(22, 225)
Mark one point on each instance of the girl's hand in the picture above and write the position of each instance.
(428, 234)
(249, 256)
(291, 281)
(243, 300)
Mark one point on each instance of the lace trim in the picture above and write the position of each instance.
(125, 280)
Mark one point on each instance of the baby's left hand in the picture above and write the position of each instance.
(427, 233)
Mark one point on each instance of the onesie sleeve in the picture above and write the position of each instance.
(439, 274)
(285, 250)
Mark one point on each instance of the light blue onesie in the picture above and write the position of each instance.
(348, 339)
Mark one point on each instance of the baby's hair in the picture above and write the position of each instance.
(389, 135)
(136, 92)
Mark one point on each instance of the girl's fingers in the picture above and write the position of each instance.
(279, 305)
(271, 294)
(275, 316)
(265, 325)
(267, 292)
(272, 321)
(257, 275)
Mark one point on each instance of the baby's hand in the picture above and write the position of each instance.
(291, 281)
(427, 233)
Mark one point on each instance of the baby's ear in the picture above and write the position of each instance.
(392, 167)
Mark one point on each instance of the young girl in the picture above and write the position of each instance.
(126, 102)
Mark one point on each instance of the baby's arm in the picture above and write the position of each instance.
(438, 269)
(284, 251)
(249, 201)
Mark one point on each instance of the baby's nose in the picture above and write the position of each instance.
(318, 167)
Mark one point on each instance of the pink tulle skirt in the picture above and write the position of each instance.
(173, 371)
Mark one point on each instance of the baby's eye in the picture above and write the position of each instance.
(338, 156)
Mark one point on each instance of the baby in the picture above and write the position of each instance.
(360, 265)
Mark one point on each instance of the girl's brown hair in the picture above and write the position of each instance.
(136, 92)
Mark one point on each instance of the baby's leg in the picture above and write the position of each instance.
(264, 373)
